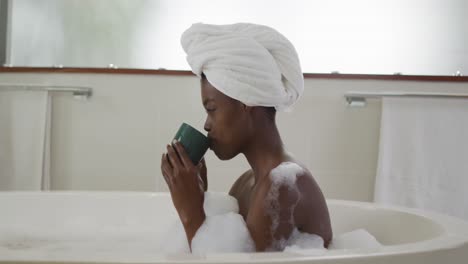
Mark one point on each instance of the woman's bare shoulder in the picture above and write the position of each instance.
(239, 183)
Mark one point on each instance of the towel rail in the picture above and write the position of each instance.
(360, 98)
(75, 90)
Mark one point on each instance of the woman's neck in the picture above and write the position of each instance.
(265, 151)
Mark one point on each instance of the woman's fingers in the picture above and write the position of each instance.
(173, 158)
(201, 184)
(186, 161)
(202, 173)
(166, 170)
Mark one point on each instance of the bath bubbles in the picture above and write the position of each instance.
(310, 244)
(300, 240)
(283, 176)
(177, 242)
(221, 234)
(355, 239)
(217, 203)
(224, 230)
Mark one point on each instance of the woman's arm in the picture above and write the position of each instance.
(186, 190)
(271, 217)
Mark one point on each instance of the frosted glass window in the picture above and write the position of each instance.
(428, 37)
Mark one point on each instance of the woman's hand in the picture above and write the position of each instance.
(187, 192)
(202, 171)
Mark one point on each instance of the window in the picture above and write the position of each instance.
(424, 37)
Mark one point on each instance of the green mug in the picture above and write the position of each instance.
(195, 143)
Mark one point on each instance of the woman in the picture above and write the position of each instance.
(248, 72)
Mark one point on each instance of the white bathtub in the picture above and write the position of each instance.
(121, 227)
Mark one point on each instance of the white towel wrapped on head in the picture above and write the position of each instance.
(251, 63)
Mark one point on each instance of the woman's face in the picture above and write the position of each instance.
(226, 123)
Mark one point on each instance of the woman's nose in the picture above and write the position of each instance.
(207, 125)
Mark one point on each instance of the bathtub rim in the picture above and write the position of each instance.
(455, 237)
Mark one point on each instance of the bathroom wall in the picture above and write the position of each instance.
(115, 140)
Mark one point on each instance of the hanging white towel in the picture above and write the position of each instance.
(25, 140)
(423, 156)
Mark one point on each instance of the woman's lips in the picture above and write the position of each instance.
(210, 142)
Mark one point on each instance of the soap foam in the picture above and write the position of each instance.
(223, 231)
(221, 234)
(283, 176)
(217, 203)
(358, 238)
(286, 174)
(305, 240)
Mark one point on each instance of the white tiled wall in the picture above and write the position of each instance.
(115, 140)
